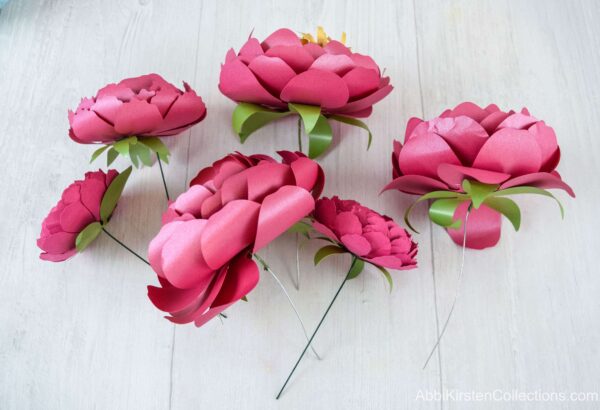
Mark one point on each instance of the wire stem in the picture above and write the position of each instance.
(316, 330)
(162, 174)
(297, 261)
(125, 246)
(299, 134)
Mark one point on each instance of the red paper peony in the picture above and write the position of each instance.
(318, 79)
(78, 207)
(493, 151)
(366, 234)
(233, 208)
(141, 106)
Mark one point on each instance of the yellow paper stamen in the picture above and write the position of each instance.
(322, 37)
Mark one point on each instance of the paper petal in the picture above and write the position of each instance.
(281, 210)
(338, 64)
(316, 87)
(546, 138)
(483, 226)
(319, 227)
(295, 56)
(415, 184)
(283, 36)
(272, 72)
(88, 128)
(542, 180)
(336, 47)
(368, 101)
(75, 217)
(361, 82)
(239, 83)
(454, 175)
(464, 135)
(423, 155)
(357, 244)
(137, 117)
(347, 223)
(468, 109)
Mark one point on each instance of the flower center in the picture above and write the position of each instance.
(322, 38)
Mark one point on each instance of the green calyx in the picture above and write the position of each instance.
(444, 203)
(137, 149)
(248, 118)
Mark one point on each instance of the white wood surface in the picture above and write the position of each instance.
(82, 334)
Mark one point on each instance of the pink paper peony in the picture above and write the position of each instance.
(286, 68)
(234, 207)
(141, 106)
(366, 234)
(78, 207)
(508, 149)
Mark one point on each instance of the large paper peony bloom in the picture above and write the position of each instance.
(233, 208)
(366, 234)
(145, 106)
(286, 72)
(78, 207)
(493, 149)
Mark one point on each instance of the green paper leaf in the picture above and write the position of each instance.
(430, 195)
(387, 276)
(142, 152)
(529, 190)
(319, 139)
(356, 268)
(112, 195)
(506, 207)
(303, 228)
(87, 236)
(478, 191)
(355, 122)
(326, 251)
(98, 152)
(156, 145)
(247, 118)
(122, 146)
(441, 212)
(309, 113)
(111, 155)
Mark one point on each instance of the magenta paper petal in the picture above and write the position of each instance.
(235, 187)
(468, 109)
(366, 62)
(53, 257)
(347, 223)
(542, 180)
(281, 37)
(229, 231)
(163, 99)
(182, 261)
(239, 83)
(191, 200)
(57, 243)
(250, 50)
(411, 125)
(336, 47)
(281, 210)
(415, 184)
(361, 82)
(186, 110)
(315, 50)
(338, 64)
(88, 128)
(319, 227)
(491, 122)
(157, 243)
(325, 210)
(517, 121)
(465, 136)
(242, 276)
(483, 227)
(316, 87)
(295, 56)
(272, 72)
(388, 261)
(211, 205)
(107, 108)
(356, 244)
(546, 138)
(92, 193)
(423, 155)
(510, 151)
(171, 299)
(360, 114)
(454, 175)
(368, 101)
(266, 178)
(75, 217)
(137, 117)
(306, 172)
(380, 243)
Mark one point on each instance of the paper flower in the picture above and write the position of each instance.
(364, 233)
(473, 157)
(318, 79)
(233, 208)
(130, 115)
(77, 219)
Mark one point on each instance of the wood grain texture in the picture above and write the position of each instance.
(82, 334)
